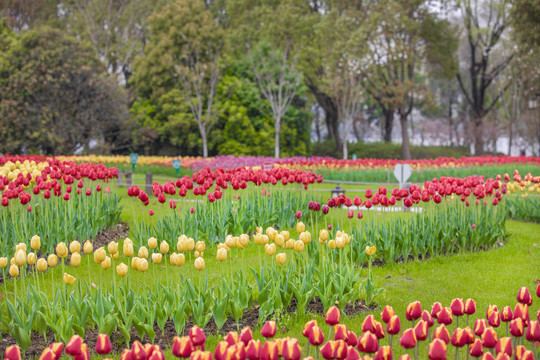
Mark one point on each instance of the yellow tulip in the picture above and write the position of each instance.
(122, 269)
(270, 249)
(244, 240)
(128, 249)
(61, 250)
(135, 262)
(264, 240)
(300, 227)
(14, 270)
(340, 243)
(196, 254)
(371, 250)
(221, 254)
(20, 246)
(52, 260)
(190, 244)
(31, 258)
(173, 258)
(298, 245)
(88, 247)
(100, 255)
(105, 264)
(112, 247)
(237, 243)
(152, 243)
(271, 233)
(181, 259)
(75, 247)
(3, 262)
(281, 258)
(181, 245)
(156, 258)
(347, 238)
(286, 235)
(41, 264)
(229, 241)
(258, 230)
(115, 255)
(289, 244)
(75, 259)
(143, 252)
(164, 247)
(35, 242)
(279, 240)
(332, 244)
(128, 241)
(199, 263)
(305, 237)
(200, 246)
(68, 279)
(20, 257)
(323, 236)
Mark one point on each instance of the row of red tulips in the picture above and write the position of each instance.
(481, 341)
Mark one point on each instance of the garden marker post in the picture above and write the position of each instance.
(148, 183)
(133, 157)
(119, 180)
(176, 165)
(402, 172)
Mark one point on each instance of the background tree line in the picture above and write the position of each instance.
(259, 77)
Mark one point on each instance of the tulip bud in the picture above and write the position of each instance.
(494, 319)
(152, 243)
(300, 227)
(182, 347)
(437, 350)
(524, 296)
(197, 335)
(221, 254)
(506, 314)
(504, 345)
(13, 353)
(88, 248)
(31, 258)
(41, 264)
(444, 316)
(137, 351)
(279, 240)
(369, 324)
(470, 306)
(333, 316)
(533, 331)
(164, 247)
(220, 352)
(68, 279)
(489, 338)
(200, 246)
(315, 336)
(458, 307)
(3, 262)
(75, 259)
(367, 343)
(323, 236)
(105, 264)
(74, 345)
(269, 329)
(20, 257)
(281, 258)
(479, 326)
(99, 255)
(156, 258)
(122, 269)
(143, 252)
(387, 313)
(181, 245)
(352, 339)
(190, 244)
(245, 335)
(199, 263)
(414, 311)
(441, 333)
(103, 344)
(35, 242)
(298, 245)
(328, 350)
(516, 327)
(270, 249)
(408, 339)
(269, 351)
(14, 270)
(57, 348)
(47, 354)
(435, 309)
(522, 311)
(75, 247)
(341, 332)
(394, 325)
(421, 330)
(181, 259)
(458, 338)
(61, 250)
(291, 350)
(476, 349)
(112, 247)
(127, 249)
(253, 349)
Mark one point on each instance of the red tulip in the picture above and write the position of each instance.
(352, 339)
(414, 311)
(352, 354)
(516, 327)
(74, 345)
(197, 336)
(470, 306)
(340, 350)
(291, 350)
(182, 347)
(479, 326)
(367, 343)
(246, 335)
(350, 214)
(394, 325)
(538, 290)
(524, 296)
(253, 350)
(426, 316)
(341, 332)
(332, 316)
(269, 329)
(151, 212)
(504, 345)
(236, 352)
(490, 309)
(126, 355)
(298, 215)
(103, 344)
(476, 349)
(489, 338)
(469, 335)
(437, 350)
(231, 338)
(506, 314)
(308, 326)
(327, 350)
(408, 339)
(458, 307)
(387, 313)
(444, 316)
(488, 356)
(459, 338)
(421, 330)
(57, 348)
(494, 319)
(435, 309)
(269, 351)
(441, 333)
(47, 354)
(369, 324)
(384, 353)
(13, 353)
(137, 351)
(379, 331)
(221, 350)
(316, 336)
(533, 331)
(405, 357)
(522, 311)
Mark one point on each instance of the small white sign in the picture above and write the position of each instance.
(402, 173)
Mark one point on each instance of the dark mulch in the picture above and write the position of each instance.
(114, 233)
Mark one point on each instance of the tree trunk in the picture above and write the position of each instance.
(330, 111)
(510, 137)
(388, 125)
(405, 147)
(478, 137)
(277, 127)
(451, 121)
(345, 149)
(204, 142)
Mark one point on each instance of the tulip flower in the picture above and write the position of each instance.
(476, 349)
(408, 339)
(61, 250)
(269, 329)
(487, 356)
(74, 246)
(421, 330)
(405, 357)
(504, 345)
(270, 249)
(122, 269)
(506, 314)
(470, 306)
(435, 309)
(14, 270)
(137, 351)
(387, 313)
(442, 333)
(231, 338)
(367, 343)
(494, 319)
(142, 265)
(308, 326)
(88, 248)
(13, 353)
(414, 311)
(341, 332)
(75, 259)
(35, 242)
(524, 296)
(47, 354)
(3, 262)
(352, 354)
(332, 316)
(20, 257)
(352, 339)
(437, 350)
(291, 350)
(300, 227)
(538, 290)
(197, 335)
(384, 353)
(369, 324)
(74, 345)
(533, 331)
(105, 264)
(156, 258)
(522, 311)
(379, 330)
(394, 326)
(103, 344)
(459, 338)
(370, 250)
(489, 338)
(479, 326)
(99, 255)
(199, 263)
(516, 327)
(281, 258)
(316, 336)
(253, 349)
(323, 236)
(182, 346)
(340, 350)
(269, 351)
(444, 316)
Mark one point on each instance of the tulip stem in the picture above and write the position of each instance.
(307, 352)
(416, 352)
(534, 349)
(330, 333)
(457, 353)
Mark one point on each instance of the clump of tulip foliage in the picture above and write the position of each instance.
(437, 326)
